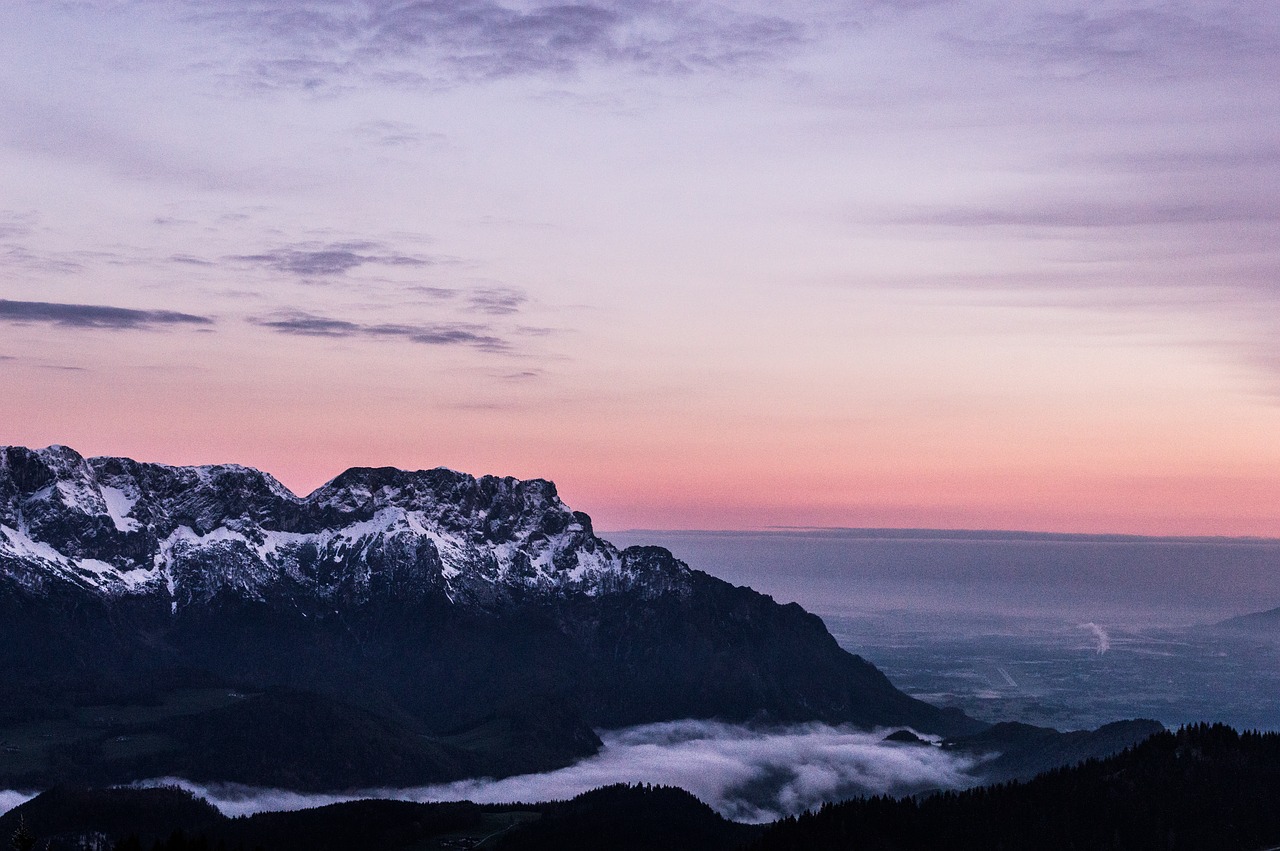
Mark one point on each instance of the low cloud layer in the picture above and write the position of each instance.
(10, 799)
(745, 773)
(94, 315)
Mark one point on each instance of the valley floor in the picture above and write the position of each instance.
(1064, 673)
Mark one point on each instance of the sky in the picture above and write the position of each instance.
(890, 263)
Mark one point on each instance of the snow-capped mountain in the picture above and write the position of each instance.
(480, 613)
(187, 535)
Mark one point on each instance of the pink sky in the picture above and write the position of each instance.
(705, 267)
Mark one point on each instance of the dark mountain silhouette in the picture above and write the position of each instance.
(1204, 787)
(629, 818)
(1022, 750)
(1258, 623)
(75, 818)
(478, 622)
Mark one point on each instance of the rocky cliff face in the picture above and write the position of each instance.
(191, 535)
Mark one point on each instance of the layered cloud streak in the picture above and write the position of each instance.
(95, 316)
(434, 334)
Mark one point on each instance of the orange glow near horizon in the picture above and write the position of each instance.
(1119, 470)
(905, 269)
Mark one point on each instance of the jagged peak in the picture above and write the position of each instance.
(33, 469)
(460, 534)
(387, 483)
(62, 462)
(195, 475)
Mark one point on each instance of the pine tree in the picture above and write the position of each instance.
(23, 840)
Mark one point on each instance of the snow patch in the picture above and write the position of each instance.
(91, 571)
(385, 520)
(99, 568)
(185, 535)
(136, 578)
(273, 542)
(22, 545)
(119, 504)
(76, 498)
(592, 564)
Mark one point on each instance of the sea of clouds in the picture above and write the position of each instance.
(10, 798)
(747, 773)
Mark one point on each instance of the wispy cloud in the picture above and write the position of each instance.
(190, 261)
(1181, 157)
(433, 293)
(14, 224)
(95, 316)
(1093, 214)
(497, 301)
(48, 127)
(432, 333)
(310, 46)
(1160, 41)
(327, 259)
(20, 255)
(16, 230)
(395, 134)
(745, 773)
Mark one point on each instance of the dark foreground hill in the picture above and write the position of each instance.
(621, 818)
(1262, 624)
(478, 622)
(1016, 751)
(75, 818)
(629, 818)
(1202, 788)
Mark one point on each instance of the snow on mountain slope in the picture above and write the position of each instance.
(124, 529)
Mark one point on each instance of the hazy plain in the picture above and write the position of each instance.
(1068, 631)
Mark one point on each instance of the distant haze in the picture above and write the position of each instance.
(853, 571)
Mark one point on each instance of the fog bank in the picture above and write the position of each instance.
(844, 572)
(746, 773)
(10, 799)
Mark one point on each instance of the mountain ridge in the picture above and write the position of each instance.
(1266, 621)
(131, 529)
(442, 603)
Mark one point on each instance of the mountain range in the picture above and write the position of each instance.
(206, 621)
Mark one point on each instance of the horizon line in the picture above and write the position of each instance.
(925, 533)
